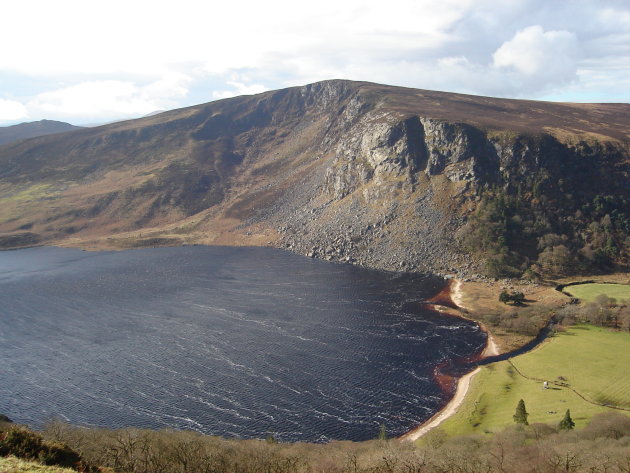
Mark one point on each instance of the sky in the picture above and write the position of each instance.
(95, 61)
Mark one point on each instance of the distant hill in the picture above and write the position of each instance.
(23, 131)
(387, 177)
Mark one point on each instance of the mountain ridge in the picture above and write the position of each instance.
(350, 171)
(23, 131)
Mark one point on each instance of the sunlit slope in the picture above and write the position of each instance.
(584, 366)
(343, 170)
(589, 292)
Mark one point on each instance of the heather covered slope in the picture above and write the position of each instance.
(352, 171)
(27, 130)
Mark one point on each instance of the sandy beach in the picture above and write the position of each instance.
(457, 296)
(451, 408)
(463, 383)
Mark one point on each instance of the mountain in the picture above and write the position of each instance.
(24, 131)
(383, 176)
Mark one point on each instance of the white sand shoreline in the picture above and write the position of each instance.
(451, 408)
(463, 383)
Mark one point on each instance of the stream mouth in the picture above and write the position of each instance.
(237, 342)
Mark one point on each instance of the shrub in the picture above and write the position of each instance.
(516, 298)
(21, 443)
(492, 318)
(25, 444)
(609, 425)
(58, 454)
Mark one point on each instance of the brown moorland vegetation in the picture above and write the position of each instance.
(349, 171)
(603, 446)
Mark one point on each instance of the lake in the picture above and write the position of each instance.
(238, 342)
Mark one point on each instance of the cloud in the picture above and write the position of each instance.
(153, 36)
(549, 55)
(97, 100)
(11, 110)
(119, 58)
(239, 88)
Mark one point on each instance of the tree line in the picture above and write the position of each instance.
(601, 447)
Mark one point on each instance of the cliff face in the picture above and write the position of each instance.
(357, 172)
(397, 189)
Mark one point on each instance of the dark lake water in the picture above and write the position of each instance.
(226, 341)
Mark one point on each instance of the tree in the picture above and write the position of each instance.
(520, 416)
(382, 434)
(567, 423)
(517, 298)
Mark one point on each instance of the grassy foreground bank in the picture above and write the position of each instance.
(584, 360)
(16, 465)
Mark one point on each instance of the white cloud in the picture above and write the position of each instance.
(535, 59)
(153, 36)
(110, 98)
(532, 51)
(12, 110)
(121, 58)
(454, 61)
(239, 88)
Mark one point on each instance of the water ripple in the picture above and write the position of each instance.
(226, 341)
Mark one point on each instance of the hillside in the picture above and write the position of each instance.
(27, 130)
(350, 171)
(600, 446)
(574, 363)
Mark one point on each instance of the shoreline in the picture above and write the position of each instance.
(447, 411)
(463, 383)
(457, 296)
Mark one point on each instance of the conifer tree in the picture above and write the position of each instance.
(567, 423)
(520, 416)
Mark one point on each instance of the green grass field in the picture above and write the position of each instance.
(594, 361)
(588, 292)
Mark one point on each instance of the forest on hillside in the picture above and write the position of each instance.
(548, 232)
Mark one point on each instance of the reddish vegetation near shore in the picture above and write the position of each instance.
(448, 301)
(447, 383)
(453, 386)
(445, 296)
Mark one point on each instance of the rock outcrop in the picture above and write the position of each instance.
(344, 171)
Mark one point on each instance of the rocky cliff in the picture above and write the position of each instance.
(347, 171)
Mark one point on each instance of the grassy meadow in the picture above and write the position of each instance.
(592, 360)
(589, 292)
